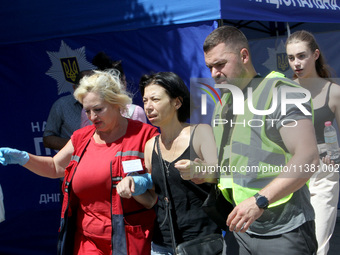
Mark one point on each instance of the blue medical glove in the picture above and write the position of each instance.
(13, 156)
(143, 182)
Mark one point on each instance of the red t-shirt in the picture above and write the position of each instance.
(91, 184)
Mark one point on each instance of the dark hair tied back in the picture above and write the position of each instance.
(104, 62)
(174, 87)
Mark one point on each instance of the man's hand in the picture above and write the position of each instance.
(243, 215)
(13, 156)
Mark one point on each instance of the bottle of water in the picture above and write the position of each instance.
(331, 141)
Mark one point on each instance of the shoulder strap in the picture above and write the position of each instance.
(192, 137)
(192, 133)
(167, 197)
(327, 95)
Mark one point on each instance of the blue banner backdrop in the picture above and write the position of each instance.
(147, 35)
(32, 78)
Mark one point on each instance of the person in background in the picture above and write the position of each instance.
(104, 62)
(84, 120)
(93, 161)
(272, 213)
(64, 118)
(167, 106)
(312, 73)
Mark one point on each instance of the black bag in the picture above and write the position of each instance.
(211, 244)
(217, 207)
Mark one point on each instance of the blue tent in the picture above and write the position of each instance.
(147, 35)
(28, 21)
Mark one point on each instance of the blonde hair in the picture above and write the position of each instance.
(107, 84)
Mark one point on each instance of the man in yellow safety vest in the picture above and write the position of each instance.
(266, 141)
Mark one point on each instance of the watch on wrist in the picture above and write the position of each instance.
(261, 201)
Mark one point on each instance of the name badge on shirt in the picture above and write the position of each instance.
(130, 166)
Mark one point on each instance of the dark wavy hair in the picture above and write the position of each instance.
(174, 87)
(104, 62)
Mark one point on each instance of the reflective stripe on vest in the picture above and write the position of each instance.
(130, 153)
(75, 158)
(254, 160)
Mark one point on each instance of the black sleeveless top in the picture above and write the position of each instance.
(321, 115)
(189, 220)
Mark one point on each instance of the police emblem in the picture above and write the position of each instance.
(66, 64)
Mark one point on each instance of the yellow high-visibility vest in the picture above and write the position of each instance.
(254, 160)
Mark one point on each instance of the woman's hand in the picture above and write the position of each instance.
(13, 156)
(197, 171)
(140, 187)
(126, 187)
(327, 160)
(183, 166)
(134, 185)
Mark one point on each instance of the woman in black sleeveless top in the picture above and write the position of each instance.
(167, 106)
(311, 72)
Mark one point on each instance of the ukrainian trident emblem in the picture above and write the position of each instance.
(282, 62)
(70, 67)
